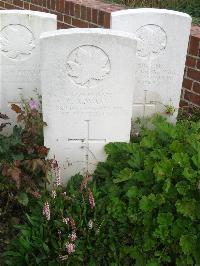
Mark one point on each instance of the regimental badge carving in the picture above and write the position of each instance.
(152, 41)
(17, 41)
(87, 65)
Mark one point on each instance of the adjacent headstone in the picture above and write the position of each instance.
(87, 80)
(161, 52)
(19, 54)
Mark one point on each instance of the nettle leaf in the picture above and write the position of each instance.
(188, 243)
(177, 146)
(190, 174)
(165, 219)
(182, 159)
(183, 187)
(187, 208)
(163, 169)
(196, 159)
(147, 203)
(136, 160)
(132, 192)
(124, 175)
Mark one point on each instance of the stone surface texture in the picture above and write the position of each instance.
(161, 53)
(19, 54)
(87, 81)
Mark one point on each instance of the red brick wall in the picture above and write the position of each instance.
(94, 13)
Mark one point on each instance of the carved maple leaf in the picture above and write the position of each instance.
(86, 64)
(16, 40)
(152, 41)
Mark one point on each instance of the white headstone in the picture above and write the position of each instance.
(19, 54)
(161, 52)
(87, 81)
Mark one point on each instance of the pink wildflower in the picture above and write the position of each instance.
(90, 224)
(70, 247)
(46, 211)
(85, 182)
(35, 194)
(53, 194)
(56, 172)
(33, 104)
(73, 236)
(91, 199)
(66, 220)
(72, 223)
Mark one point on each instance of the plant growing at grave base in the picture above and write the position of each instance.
(142, 206)
(152, 193)
(61, 228)
(22, 164)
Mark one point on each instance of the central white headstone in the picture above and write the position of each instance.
(19, 54)
(87, 80)
(161, 52)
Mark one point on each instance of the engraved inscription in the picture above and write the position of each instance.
(152, 41)
(17, 41)
(88, 64)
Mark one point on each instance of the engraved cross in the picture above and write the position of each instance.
(86, 143)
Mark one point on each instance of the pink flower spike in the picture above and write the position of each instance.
(66, 220)
(91, 199)
(46, 211)
(70, 247)
(33, 104)
(73, 236)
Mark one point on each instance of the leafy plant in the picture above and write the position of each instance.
(151, 189)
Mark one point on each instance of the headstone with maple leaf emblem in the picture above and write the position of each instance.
(161, 52)
(87, 81)
(19, 54)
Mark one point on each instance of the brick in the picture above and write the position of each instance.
(67, 7)
(60, 6)
(187, 84)
(68, 20)
(18, 3)
(48, 4)
(193, 74)
(191, 97)
(183, 104)
(89, 14)
(83, 12)
(77, 11)
(190, 61)
(8, 6)
(79, 23)
(194, 46)
(71, 9)
(26, 6)
(106, 23)
(53, 4)
(62, 25)
(2, 4)
(91, 25)
(95, 16)
(198, 63)
(196, 87)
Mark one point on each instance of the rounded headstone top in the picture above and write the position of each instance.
(150, 11)
(27, 12)
(80, 31)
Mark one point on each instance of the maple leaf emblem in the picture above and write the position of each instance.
(87, 64)
(152, 41)
(16, 41)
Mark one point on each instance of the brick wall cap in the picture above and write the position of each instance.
(28, 12)
(151, 10)
(122, 34)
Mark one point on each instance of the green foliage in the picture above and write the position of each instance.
(152, 189)
(147, 206)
